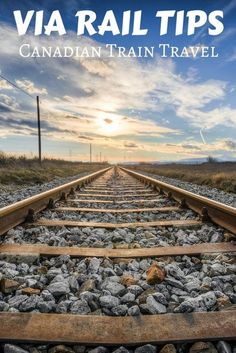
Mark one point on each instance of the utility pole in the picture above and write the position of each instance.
(100, 157)
(39, 131)
(90, 153)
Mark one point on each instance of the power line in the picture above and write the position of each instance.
(14, 85)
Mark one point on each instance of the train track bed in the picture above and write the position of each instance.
(197, 347)
(118, 238)
(117, 249)
(228, 198)
(117, 287)
(24, 191)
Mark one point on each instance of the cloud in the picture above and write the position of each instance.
(230, 144)
(232, 57)
(30, 88)
(195, 50)
(130, 145)
(4, 85)
(229, 32)
(191, 147)
(104, 99)
(228, 8)
(7, 103)
(224, 116)
(108, 121)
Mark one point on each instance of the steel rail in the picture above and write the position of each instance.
(210, 210)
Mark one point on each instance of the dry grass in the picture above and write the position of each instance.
(221, 175)
(21, 171)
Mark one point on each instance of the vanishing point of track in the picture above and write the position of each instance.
(115, 188)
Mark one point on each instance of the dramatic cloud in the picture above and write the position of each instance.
(30, 88)
(117, 103)
(4, 85)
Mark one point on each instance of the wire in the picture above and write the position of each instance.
(14, 85)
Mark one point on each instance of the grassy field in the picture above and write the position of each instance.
(22, 171)
(221, 175)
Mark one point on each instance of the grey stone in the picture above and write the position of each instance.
(31, 282)
(30, 304)
(4, 306)
(88, 296)
(120, 310)
(144, 265)
(59, 278)
(135, 289)
(47, 296)
(174, 271)
(232, 297)
(80, 307)
(154, 307)
(73, 283)
(10, 348)
(10, 273)
(159, 297)
(46, 307)
(223, 347)
(62, 259)
(148, 348)
(109, 301)
(29, 259)
(53, 272)
(134, 311)
(127, 298)
(193, 285)
(185, 307)
(217, 269)
(58, 288)
(16, 301)
(174, 282)
(63, 306)
(115, 288)
(216, 238)
(192, 239)
(209, 299)
(203, 302)
(99, 349)
(94, 265)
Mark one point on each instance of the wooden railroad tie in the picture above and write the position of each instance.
(107, 330)
(160, 223)
(46, 250)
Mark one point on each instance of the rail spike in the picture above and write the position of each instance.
(30, 218)
(72, 192)
(183, 204)
(51, 204)
(205, 215)
(63, 197)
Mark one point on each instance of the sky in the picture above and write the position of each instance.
(129, 109)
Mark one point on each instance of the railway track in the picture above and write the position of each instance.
(117, 258)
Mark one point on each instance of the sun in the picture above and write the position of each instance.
(109, 126)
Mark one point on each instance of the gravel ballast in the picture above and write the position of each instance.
(7, 198)
(118, 287)
(207, 191)
(197, 347)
